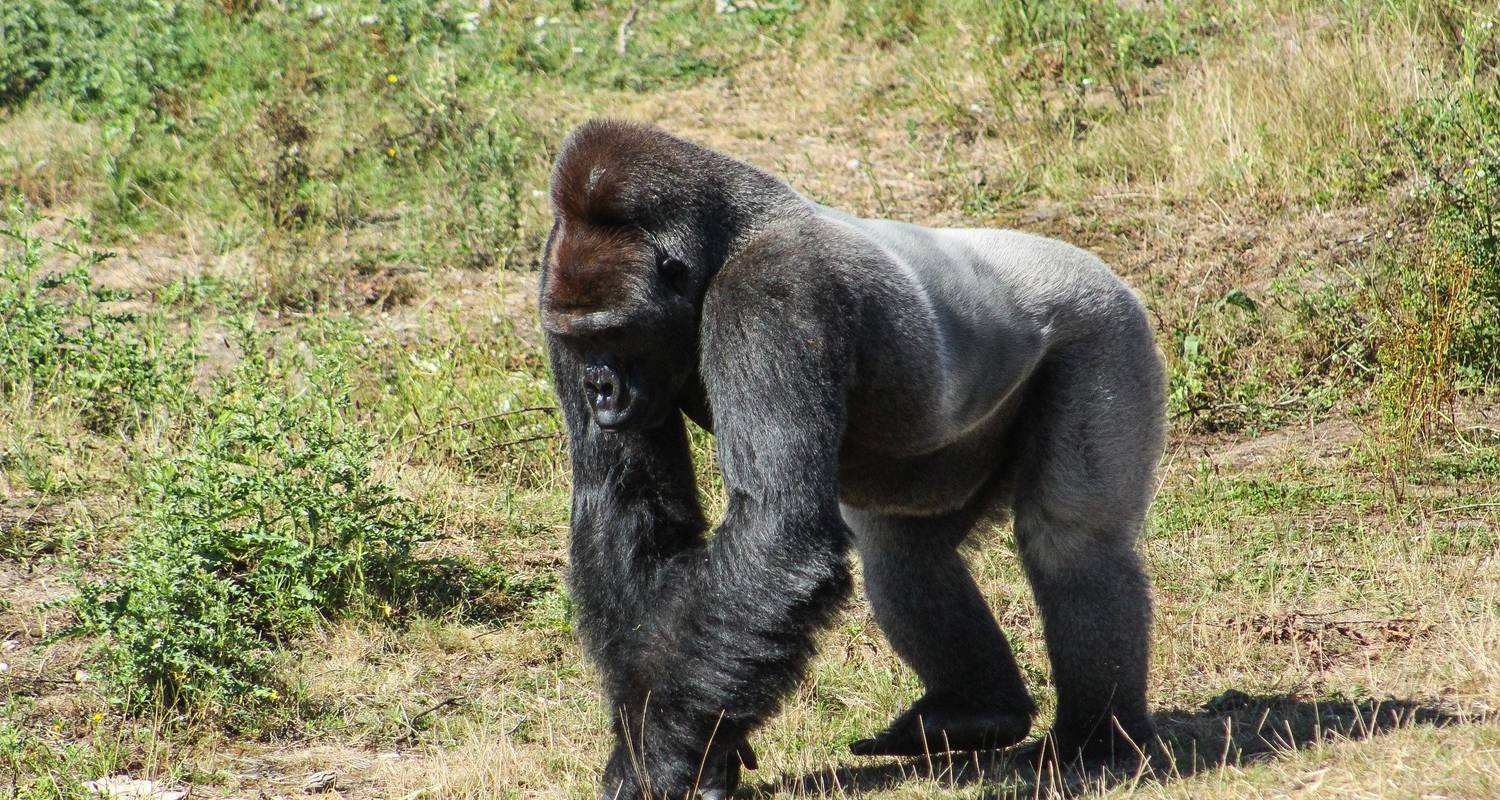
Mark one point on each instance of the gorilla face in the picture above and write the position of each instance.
(625, 311)
(627, 262)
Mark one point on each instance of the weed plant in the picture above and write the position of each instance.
(63, 339)
(267, 522)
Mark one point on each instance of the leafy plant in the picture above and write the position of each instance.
(1456, 146)
(65, 338)
(268, 521)
(1441, 308)
(129, 56)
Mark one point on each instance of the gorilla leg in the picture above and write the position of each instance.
(1096, 619)
(932, 613)
(1085, 479)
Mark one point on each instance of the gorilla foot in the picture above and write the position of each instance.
(937, 724)
(1122, 746)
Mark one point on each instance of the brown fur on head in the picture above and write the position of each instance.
(606, 188)
(593, 268)
(642, 221)
(603, 166)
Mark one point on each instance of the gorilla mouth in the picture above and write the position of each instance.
(613, 402)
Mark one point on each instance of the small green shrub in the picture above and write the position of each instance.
(1204, 387)
(1241, 363)
(1441, 305)
(1455, 145)
(65, 338)
(1428, 311)
(128, 55)
(267, 521)
(24, 41)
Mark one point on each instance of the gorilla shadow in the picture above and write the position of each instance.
(1232, 729)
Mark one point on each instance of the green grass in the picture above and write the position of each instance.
(341, 536)
(266, 522)
(65, 340)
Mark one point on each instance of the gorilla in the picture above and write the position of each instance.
(871, 385)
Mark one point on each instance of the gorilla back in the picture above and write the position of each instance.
(870, 383)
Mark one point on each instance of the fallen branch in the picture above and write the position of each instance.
(411, 724)
(469, 423)
(1468, 507)
(623, 37)
(511, 443)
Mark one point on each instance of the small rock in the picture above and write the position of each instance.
(320, 781)
(1042, 214)
(124, 786)
(1230, 700)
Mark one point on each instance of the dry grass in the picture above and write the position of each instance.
(1326, 626)
(49, 157)
(1261, 119)
(1309, 636)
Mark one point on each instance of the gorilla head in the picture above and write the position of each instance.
(618, 299)
(625, 281)
(622, 306)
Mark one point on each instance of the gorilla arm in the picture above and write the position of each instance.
(699, 642)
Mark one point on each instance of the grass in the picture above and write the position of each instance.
(1302, 191)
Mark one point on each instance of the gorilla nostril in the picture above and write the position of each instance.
(605, 389)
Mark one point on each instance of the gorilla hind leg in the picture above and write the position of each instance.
(1096, 620)
(935, 618)
(1088, 457)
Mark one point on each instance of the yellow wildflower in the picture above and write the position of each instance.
(391, 78)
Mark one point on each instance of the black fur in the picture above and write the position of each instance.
(679, 280)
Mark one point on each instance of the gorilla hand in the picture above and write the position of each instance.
(721, 772)
(718, 778)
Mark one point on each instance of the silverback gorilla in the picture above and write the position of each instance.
(870, 384)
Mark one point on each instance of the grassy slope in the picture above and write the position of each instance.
(365, 180)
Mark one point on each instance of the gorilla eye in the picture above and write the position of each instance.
(674, 272)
